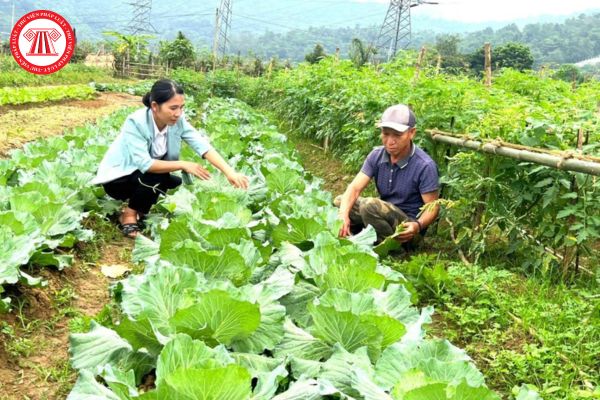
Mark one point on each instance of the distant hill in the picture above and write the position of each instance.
(288, 29)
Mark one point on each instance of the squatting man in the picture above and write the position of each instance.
(406, 178)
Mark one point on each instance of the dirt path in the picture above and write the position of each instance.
(323, 165)
(24, 123)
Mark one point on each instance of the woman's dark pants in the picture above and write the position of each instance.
(141, 190)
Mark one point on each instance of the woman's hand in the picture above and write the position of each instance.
(196, 169)
(238, 180)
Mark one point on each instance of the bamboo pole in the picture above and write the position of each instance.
(549, 160)
(419, 63)
(575, 188)
(488, 65)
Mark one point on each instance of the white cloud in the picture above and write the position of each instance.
(499, 10)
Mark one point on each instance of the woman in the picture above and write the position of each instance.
(138, 164)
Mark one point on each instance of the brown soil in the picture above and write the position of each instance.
(315, 160)
(21, 124)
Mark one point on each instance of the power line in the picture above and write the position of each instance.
(140, 22)
(263, 21)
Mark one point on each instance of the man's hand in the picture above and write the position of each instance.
(238, 180)
(411, 228)
(345, 229)
(196, 169)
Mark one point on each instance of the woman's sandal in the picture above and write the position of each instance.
(142, 222)
(130, 230)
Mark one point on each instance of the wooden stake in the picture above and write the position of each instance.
(580, 140)
(270, 69)
(488, 65)
(419, 63)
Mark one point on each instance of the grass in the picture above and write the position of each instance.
(518, 330)
(61, 375)
(105, 232)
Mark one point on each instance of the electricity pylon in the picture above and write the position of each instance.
(395, 32)
(222, 28)
(140, 22)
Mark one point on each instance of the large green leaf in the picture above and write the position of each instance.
(123, 384)
(57, 218)
(145, 250)
(297, 300)
(436, 358)
(268, 334)
(97, 347)
(217, 264)
(176, 233)
(466, 392)
(339, 369)
(14, 252)
(140, 334)
(297, 231)
(346, 328)
(216, 205)
(301, 344)
(268, 382)
(432, 391)
(181, 353)
(218, 318)
(353, 278)
(285, 181)
(157, 296)
(363, 306)
(87, 388)
(228, 383)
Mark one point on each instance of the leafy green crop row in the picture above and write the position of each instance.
(35, 94)
(251, 295)
(11, 75)
(44, 195)
(502, 207)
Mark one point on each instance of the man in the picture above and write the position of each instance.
(406, 178)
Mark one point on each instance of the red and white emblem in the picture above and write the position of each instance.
(42, 42)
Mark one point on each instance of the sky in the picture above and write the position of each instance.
(499, 10)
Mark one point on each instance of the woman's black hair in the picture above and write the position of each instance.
(162, 91)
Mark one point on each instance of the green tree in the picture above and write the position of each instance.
(359, 53)
(513, 55)
(569, 73)
(509, 55)
(82, 49)
(177, 53)
(316, 55)
(447, 48)
(129, 47)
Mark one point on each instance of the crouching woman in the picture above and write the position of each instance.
(137, 166)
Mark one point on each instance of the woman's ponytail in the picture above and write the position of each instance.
(147, 99)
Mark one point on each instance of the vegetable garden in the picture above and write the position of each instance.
(251, 294)
(501, 207)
